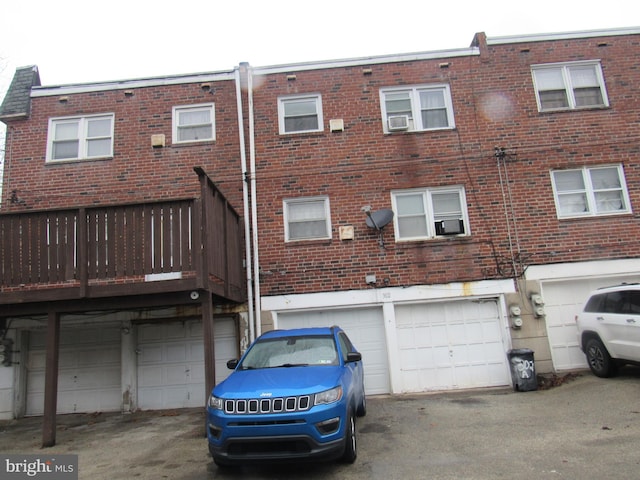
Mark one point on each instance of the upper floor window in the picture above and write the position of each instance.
(193, 123)
(427, 213)
(422, 107)
(590, 191)
(300, 114)
(569, 86)
(307, 219)
(76, 138)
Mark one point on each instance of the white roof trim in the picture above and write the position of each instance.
(379, 59)
(130, 84)
(46, 91)
(542, 37)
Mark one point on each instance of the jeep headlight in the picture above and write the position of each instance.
(216, 403)
(328, 396)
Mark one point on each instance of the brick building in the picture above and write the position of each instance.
(442, 207)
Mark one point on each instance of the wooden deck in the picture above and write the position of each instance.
(123, 250)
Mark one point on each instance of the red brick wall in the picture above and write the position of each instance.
(137, 172)
(494, 105)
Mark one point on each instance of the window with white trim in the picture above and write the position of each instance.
(569, 86)
(194, 123)
(80, 138)
(426, 213)
(590, 191)
(421, 107)
(300, 114)
(307, 219)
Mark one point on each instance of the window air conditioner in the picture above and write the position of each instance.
(398, 122)
(449, 227)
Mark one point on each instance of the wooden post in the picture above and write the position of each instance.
(209, 349)
(51, 380)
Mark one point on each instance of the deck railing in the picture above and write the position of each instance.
(198, 239)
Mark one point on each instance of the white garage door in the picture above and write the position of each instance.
(451, 345)
(364, 327)
(171, 362)
(226, 346)
(88, 371)
(563, 300)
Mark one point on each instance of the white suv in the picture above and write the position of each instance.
(609, 328)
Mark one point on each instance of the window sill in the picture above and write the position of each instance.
(595, 216)
(305, 132)
(577, 109)
(429, 130)
(307, 242)
(76, 160)
(192, 143)
(439, 238)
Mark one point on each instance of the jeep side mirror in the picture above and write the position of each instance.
(354, 357)
(232, 364)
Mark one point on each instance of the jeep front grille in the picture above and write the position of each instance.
(267, 405)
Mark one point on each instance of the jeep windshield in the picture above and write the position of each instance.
(286, 352)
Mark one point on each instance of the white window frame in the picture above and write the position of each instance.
(210, 107)
(589, 193)
(565, 69)
(283, 101)
(415, 117)
(83, 139)
(326, 217)
(430, 217)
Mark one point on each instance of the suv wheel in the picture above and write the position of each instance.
(600, 362)
(350, 443)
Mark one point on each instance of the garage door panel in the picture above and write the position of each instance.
(67, 359)
(150, 354)
(175, 374)
(151, 398)
(195, 352)
(100, 357)
(176, 353)
(148, 376)
(89, 371)
(563, 300)
(460, 346)
(364, 327)
(196, 374)
(171, 371)
(109, 377)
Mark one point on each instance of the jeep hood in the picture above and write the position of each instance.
(278, 382)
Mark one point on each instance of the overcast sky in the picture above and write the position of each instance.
(76, 41)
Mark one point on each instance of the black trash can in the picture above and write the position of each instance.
(523, 369)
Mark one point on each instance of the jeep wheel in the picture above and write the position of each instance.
(350, 443)
(599, 360)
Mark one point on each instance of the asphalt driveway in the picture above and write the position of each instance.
(586, 427)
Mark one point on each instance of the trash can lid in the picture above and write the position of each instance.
(520, 351)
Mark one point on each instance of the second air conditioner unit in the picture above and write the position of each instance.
(398, 122)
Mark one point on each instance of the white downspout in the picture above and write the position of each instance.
(254, 207)
(245, 202)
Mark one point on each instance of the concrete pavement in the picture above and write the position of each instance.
(585, 428)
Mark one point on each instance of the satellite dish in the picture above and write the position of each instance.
(379, 219)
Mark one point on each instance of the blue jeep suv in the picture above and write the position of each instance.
(294, 394)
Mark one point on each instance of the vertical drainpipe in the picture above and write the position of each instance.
(245, 201)
(254, 207)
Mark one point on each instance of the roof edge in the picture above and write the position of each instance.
(371, 60)
(541, 37)
(67, 89)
